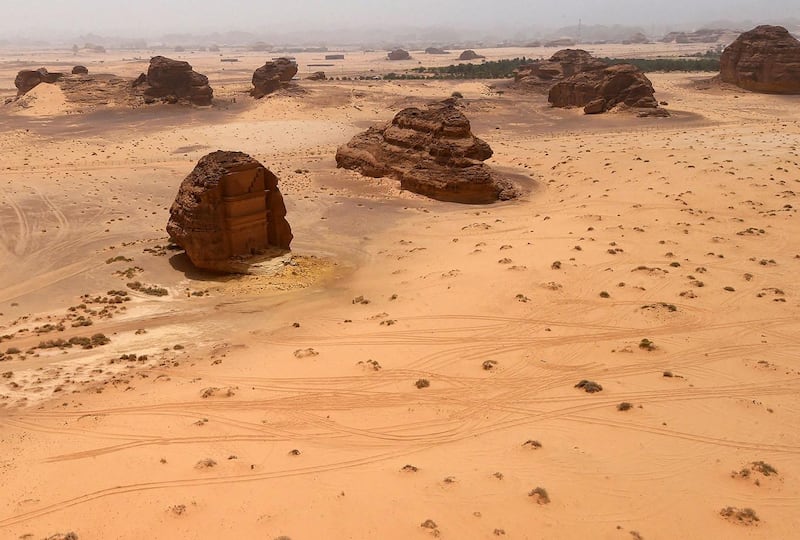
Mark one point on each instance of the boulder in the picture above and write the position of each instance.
(431, 151)
(469, 54)
(272, 76)
(565, 63)
(80, 70)
(27, 80)
(435, 50)
(227, 210)
(399, 54)
(599, 90)
(174, 81)
(765, 59)
(317, 76)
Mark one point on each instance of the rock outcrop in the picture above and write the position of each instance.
(435, 50)
(317, 76)
(272, 76)
(399, 54)
(27, 80)
(80, 70)
(228, 209)
(563, 64)
(599, 90)
(469, 54)
(174, 81)
(765, 59)
(431, 151)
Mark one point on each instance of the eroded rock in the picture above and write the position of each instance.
(27, 80)
(229, 208)
(469, 54)
(600, 90)
(174, 81)
(565, 63)
(431, 151)
(765, 59)
(272, 76)
(399, 54)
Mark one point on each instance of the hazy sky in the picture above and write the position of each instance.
(154, 17)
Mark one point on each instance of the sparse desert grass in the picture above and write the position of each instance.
(428, 524)
(152, 290)
(589, 386)
(744, 516)
(624, 406)
(540, 495)
(647, 345)
(422, 383)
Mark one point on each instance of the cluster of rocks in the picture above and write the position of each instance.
(431, 151)
(174, 81)
(227, 210)
(765, 59)
(577, 79)
(272, 76)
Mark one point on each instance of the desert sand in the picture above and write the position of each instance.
(657, 257)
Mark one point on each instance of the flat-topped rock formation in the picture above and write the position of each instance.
(469, 54)
(765, 59)
(435, 50)
(272, 76)
(431, 151)
(228, 210)
(27, 80)
(563, 64)
(174, 81)
(399, 54)
(600, 90)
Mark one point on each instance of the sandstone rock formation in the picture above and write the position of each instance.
(174, 81)
(80, 70)
(599, 90)
(399, 54)
(317, 76)
(27, 80)
(765, 59)
(469, 54)
(563, 64)
(272, 76)
(435, 50)
(431, 151)
(561, 42)
(637, 38)
(229, 208)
